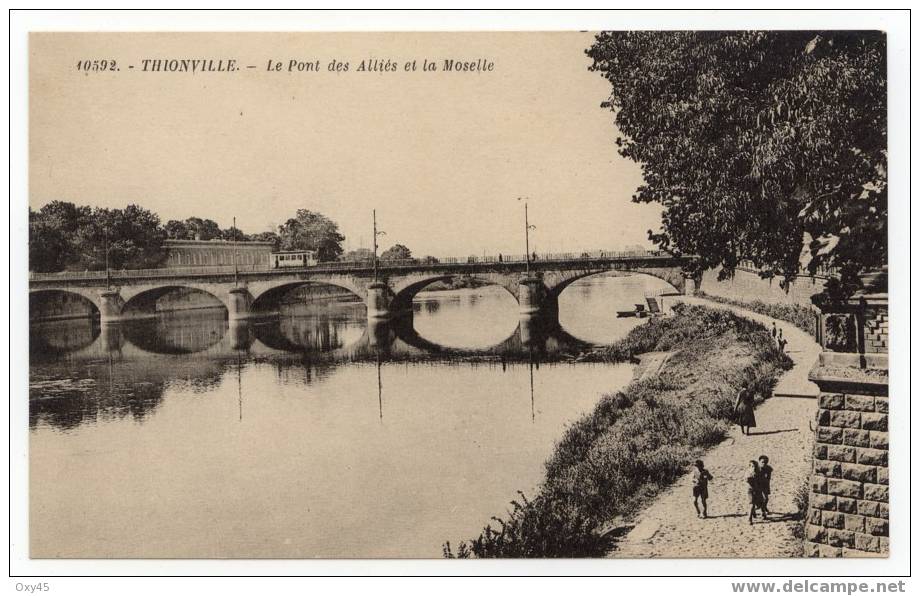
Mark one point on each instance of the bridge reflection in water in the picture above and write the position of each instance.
(328, 337)
(82, 371)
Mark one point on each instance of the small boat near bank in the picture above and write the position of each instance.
(638, 312)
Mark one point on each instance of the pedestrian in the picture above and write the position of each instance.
(755, 493)
(499, 257)
(744, 409)
(766, 474)
(773, 332)
(701, 478)
(781, 344)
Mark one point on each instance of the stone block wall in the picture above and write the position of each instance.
(747, 286)
(876, 331)
(848, 503)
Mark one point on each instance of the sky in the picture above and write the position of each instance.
(442, 156)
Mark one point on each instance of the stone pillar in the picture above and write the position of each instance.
(532, 295)
(378, 301)
(848, 504)
(848, 500)
(238, 303)
(110, 306)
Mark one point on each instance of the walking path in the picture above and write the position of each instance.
(802, 348)
(669, 527)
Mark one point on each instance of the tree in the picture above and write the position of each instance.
(135, 239)
(395, 253)
(267, 237)
(177, 230)
(758, 144)
(52, 230)
(66, 236)
(193, 228)
(233, 234)
(312, 231)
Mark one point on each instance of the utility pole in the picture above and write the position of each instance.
(236, 267)
(376, 233)
(375, 244)
(527, 228)
(108, 274)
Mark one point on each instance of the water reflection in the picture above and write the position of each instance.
(183, 332)
(60, 337)
(331, 338)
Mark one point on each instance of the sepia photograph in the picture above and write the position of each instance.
(616, 294)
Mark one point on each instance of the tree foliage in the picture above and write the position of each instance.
(310, 230)
(194, 228)
(395, 253)
(67, 236)
(267, 237)
(757, 143)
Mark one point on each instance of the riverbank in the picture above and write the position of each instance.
(669, 528)
(638, 441)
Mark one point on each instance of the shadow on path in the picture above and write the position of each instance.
(773, 432)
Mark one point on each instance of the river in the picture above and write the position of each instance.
(310, 435)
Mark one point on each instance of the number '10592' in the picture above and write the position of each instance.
(97, 65)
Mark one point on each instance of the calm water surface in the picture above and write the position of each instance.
(312, 435)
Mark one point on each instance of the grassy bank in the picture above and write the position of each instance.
(639, 440)
(801, 316)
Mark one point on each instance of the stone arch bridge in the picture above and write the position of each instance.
(251, 293)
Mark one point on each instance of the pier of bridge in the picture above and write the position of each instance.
(387, 291)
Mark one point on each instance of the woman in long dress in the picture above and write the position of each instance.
(744, 409)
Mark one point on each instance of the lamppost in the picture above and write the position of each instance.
(108, 274)
(527, 228)
(236, 267)
(376, 233)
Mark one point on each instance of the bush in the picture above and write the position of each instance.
(799, 315)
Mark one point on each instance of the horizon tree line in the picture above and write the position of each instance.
(64, 236)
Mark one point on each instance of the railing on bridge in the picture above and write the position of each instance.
(337, 266)
(825, 272)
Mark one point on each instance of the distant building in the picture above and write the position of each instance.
(212, 253)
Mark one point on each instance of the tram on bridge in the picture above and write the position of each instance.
(293, 258)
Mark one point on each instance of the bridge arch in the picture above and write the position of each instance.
(144, 300)
(406, 289)
(47, 304)
(559, 283)
(267, 298)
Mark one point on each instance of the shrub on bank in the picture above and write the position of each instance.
(799, 315)
(637, 441)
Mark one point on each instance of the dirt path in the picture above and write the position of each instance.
(669, 527)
